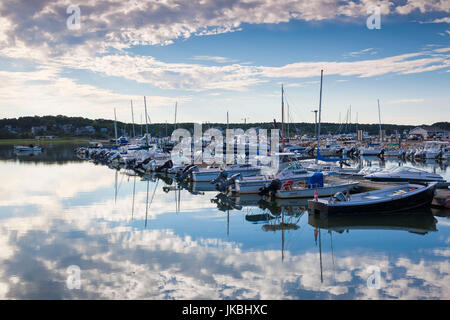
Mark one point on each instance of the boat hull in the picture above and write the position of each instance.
(253, 187)
(406, 180)
(204, 176)
(309, 192)
(388, 205)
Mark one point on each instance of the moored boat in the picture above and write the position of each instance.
(248, 185)
(28, 148)
(393, 199)
(212, 172)
(404, 174)
(313, 187)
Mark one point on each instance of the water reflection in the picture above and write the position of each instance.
(420, 222)
(50, 154)
(148, 237)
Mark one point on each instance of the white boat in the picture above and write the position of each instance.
(212, 172)
(369, 151)
(445, 154)
(331, 169)
(431, 150)
(404, 174)
(249, 185)
(393, 199)
(313, 187)
(393, 152)
(28, 148)
(331, 148)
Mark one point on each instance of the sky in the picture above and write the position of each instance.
(217, 56)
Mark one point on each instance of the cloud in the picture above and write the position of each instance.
(214, 59)
(120, 24)
(357, 53)
(441, 20)
(423, 6)
(401, 101)
(51, 93)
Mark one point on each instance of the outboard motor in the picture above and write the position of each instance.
(273, 187)
(223, 186)
(184, 170)
(222, 177)
(339, 196)
(167, 165)
(182, 176)
(145, 162)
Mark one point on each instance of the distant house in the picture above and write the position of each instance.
(85, 130)
(39, 129)
(429, 132)
(10, 128)
(67, 128)
(438, 132)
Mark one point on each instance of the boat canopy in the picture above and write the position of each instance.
(315, 181)
(321, 158)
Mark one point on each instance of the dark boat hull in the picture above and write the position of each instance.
(403, 180)
(418, 200)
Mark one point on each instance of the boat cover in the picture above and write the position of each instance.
(315, 181)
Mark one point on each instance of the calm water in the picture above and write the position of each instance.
(136, 238)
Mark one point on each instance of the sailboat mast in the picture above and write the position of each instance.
(175, 121)
(320, 115)
(132, 118)
(115, 124)
(146, 123)
(379, 117)
(282, 117)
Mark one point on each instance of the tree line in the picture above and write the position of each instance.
(21, 127)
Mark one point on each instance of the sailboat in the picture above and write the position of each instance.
(374, 150)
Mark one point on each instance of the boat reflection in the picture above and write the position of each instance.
(50, 154)
(420, 222)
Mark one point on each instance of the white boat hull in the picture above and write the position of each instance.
(205, 176)
(326, 190)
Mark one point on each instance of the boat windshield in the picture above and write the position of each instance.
(407, 170)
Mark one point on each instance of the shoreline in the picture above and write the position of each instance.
(43, 141)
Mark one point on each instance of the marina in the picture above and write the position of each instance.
(130, 223)
(219, 158)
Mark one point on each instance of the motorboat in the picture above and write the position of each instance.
(370, 151)
(393, 152)
(332, 169)
(212, 172)
(393, 199)
(29, 148)
(313, 187)
(404, 174)
(431, 150)
(248, 185)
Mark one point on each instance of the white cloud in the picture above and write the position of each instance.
(401, 101)
(214, 59)
(423, 6)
